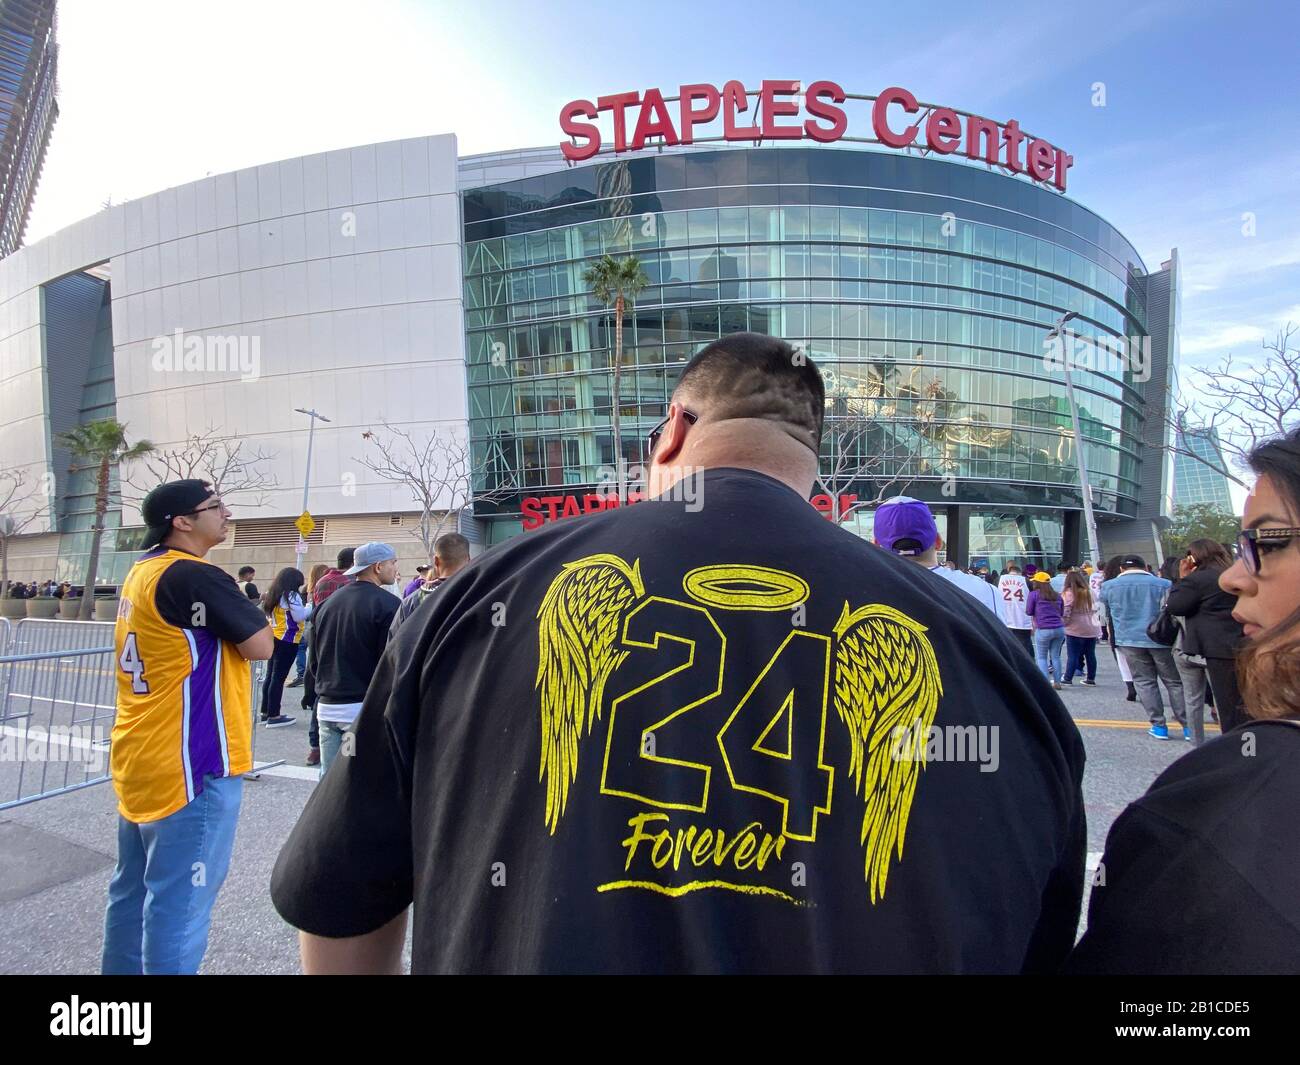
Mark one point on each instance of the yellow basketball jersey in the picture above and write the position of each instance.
(283, 625)
(184, 704)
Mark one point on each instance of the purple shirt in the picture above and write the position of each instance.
(413, 585)
(1045, 612)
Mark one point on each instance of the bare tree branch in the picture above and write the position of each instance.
(437, 469)
(879, 429)
(17, 492)
(235, 469)
(1244, 404)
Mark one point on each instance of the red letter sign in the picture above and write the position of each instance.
(692, 115)
(813, 101)
(773, 108)
(880, 122)
(571, 111)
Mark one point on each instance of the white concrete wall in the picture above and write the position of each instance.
(339, 277)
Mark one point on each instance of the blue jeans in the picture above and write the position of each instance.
(167, 878)
(300, 663)
(1047, 650)
(1081, 651)
(331, 739)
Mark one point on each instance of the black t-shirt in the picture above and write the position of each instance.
(194, 595)
(250, 590)
(1202, 874)
(349, 632)
(660, 738)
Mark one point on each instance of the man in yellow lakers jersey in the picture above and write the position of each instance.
(182, 736)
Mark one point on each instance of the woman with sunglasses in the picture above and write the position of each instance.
(1202, 874)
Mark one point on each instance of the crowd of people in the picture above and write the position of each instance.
(47, 590)
(743, 663)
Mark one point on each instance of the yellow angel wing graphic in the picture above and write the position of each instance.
(887, 689)
(578, 628)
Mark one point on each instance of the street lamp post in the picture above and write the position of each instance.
(306, 481)
(1085, 486)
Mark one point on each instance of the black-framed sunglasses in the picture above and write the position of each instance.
(199, 510)
(652, 438)
(1249, 545)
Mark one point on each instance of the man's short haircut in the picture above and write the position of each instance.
(451, 549)
(245, 570)
(1062, 567)
(1012, 567)
(749, 375)
(346, 557)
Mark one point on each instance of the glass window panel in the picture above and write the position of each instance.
(764, 223)
(672, 228)
(733, 224)
(853, 224)
(703, 227)
(794, 223)
(882, 226)
(823, 223)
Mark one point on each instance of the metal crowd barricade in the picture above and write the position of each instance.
(257, 673)
(39, 635)
(56, 716)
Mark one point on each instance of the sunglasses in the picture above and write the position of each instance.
(652, 438)
(1250, 547)
(211, 506)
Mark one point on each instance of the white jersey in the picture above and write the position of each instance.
(976, 587)
(1094, 586)
(1013, 590)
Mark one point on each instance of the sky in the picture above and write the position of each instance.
(1183, 118)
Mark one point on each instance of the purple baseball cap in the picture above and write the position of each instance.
(907, 523)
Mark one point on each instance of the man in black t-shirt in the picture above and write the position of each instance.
(349, 633)
(711, 732)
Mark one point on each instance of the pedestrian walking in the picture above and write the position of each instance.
(1045, 609)
(246, 575)
(1082, 628)
(1013, 590)
(1133, 601)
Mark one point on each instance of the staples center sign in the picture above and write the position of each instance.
(779, 114)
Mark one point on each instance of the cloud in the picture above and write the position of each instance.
(1219, 338)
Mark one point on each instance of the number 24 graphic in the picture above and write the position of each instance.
(772, 744)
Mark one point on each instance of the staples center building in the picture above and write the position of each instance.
(920, 255)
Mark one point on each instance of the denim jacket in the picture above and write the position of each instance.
(1133, 601)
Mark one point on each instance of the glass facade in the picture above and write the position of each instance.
(28, 81)
(923, 290)
(1201, 482)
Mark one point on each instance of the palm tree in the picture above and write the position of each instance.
(99, 444)
(617, 283)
